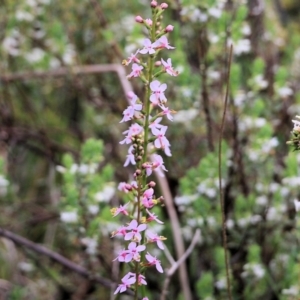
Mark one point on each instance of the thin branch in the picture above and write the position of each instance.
(58, 258)
(220, 178)
(76, 70)
(176, 264)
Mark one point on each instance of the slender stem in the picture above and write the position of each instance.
(220, 179)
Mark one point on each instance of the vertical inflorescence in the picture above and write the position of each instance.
(146, 135)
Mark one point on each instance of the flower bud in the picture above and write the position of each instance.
(139, 158)
(128, 187)
(151, 184)
(158, 63)
(138, 172)
(149, 22)
(153, 3)
(139, 19)
(164, 5)
(169, 28)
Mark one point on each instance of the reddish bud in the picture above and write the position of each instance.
(158, 63)
(139, 19)
(153, 3)
(169, 28)
(151, 184)
(164, 5)
(128, 187)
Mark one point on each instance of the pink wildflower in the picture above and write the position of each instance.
(168, 67)
(120, 210)
(164, 5)
(134, 129)
(127, 281)
(131, 58)
(141, 280)
(147, 198)
(155, 124)
(133, 252)
(148, 47)
(135, 228)
(130, 157)
(119, 232)
(167, 112)
(121, 256)
(136, 71)
(161, 141)
(124, 187)
(154, 261)
(154, 238)
(158, 95)
(158, 164)
(130, 110)
(153, 217)
(162, 43)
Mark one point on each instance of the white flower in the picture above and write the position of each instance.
(93, 209)
(297, 204)
(25, 266)
(242, 46)
(24, 16)
(35, 55)
(215, 12)
(91, 245)
(69, 216)
(292, 291)
(106, 194)
(285, 91)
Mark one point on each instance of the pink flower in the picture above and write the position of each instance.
(148, 47)
(136, 71)
(124, 187)
(154, 261)
(131, 58)
(127, 281)
(135, 228)
(130, 157)
(133, 252)
(157, 92)
(162, 43)
(120, 232)
(154, 238)
(141, 280)
(168, 67)
(164, 5)
(158, 164)
(161, 141)
(166, 112)
(121, 256)
(145, 298)
(153, 217)
(155, 124)
(121, 210)
(134, 129)
(147, 198)
(130, 110)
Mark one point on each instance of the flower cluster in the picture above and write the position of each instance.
(145, 136)
(295, 141)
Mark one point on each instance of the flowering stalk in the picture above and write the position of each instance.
(146, 135)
